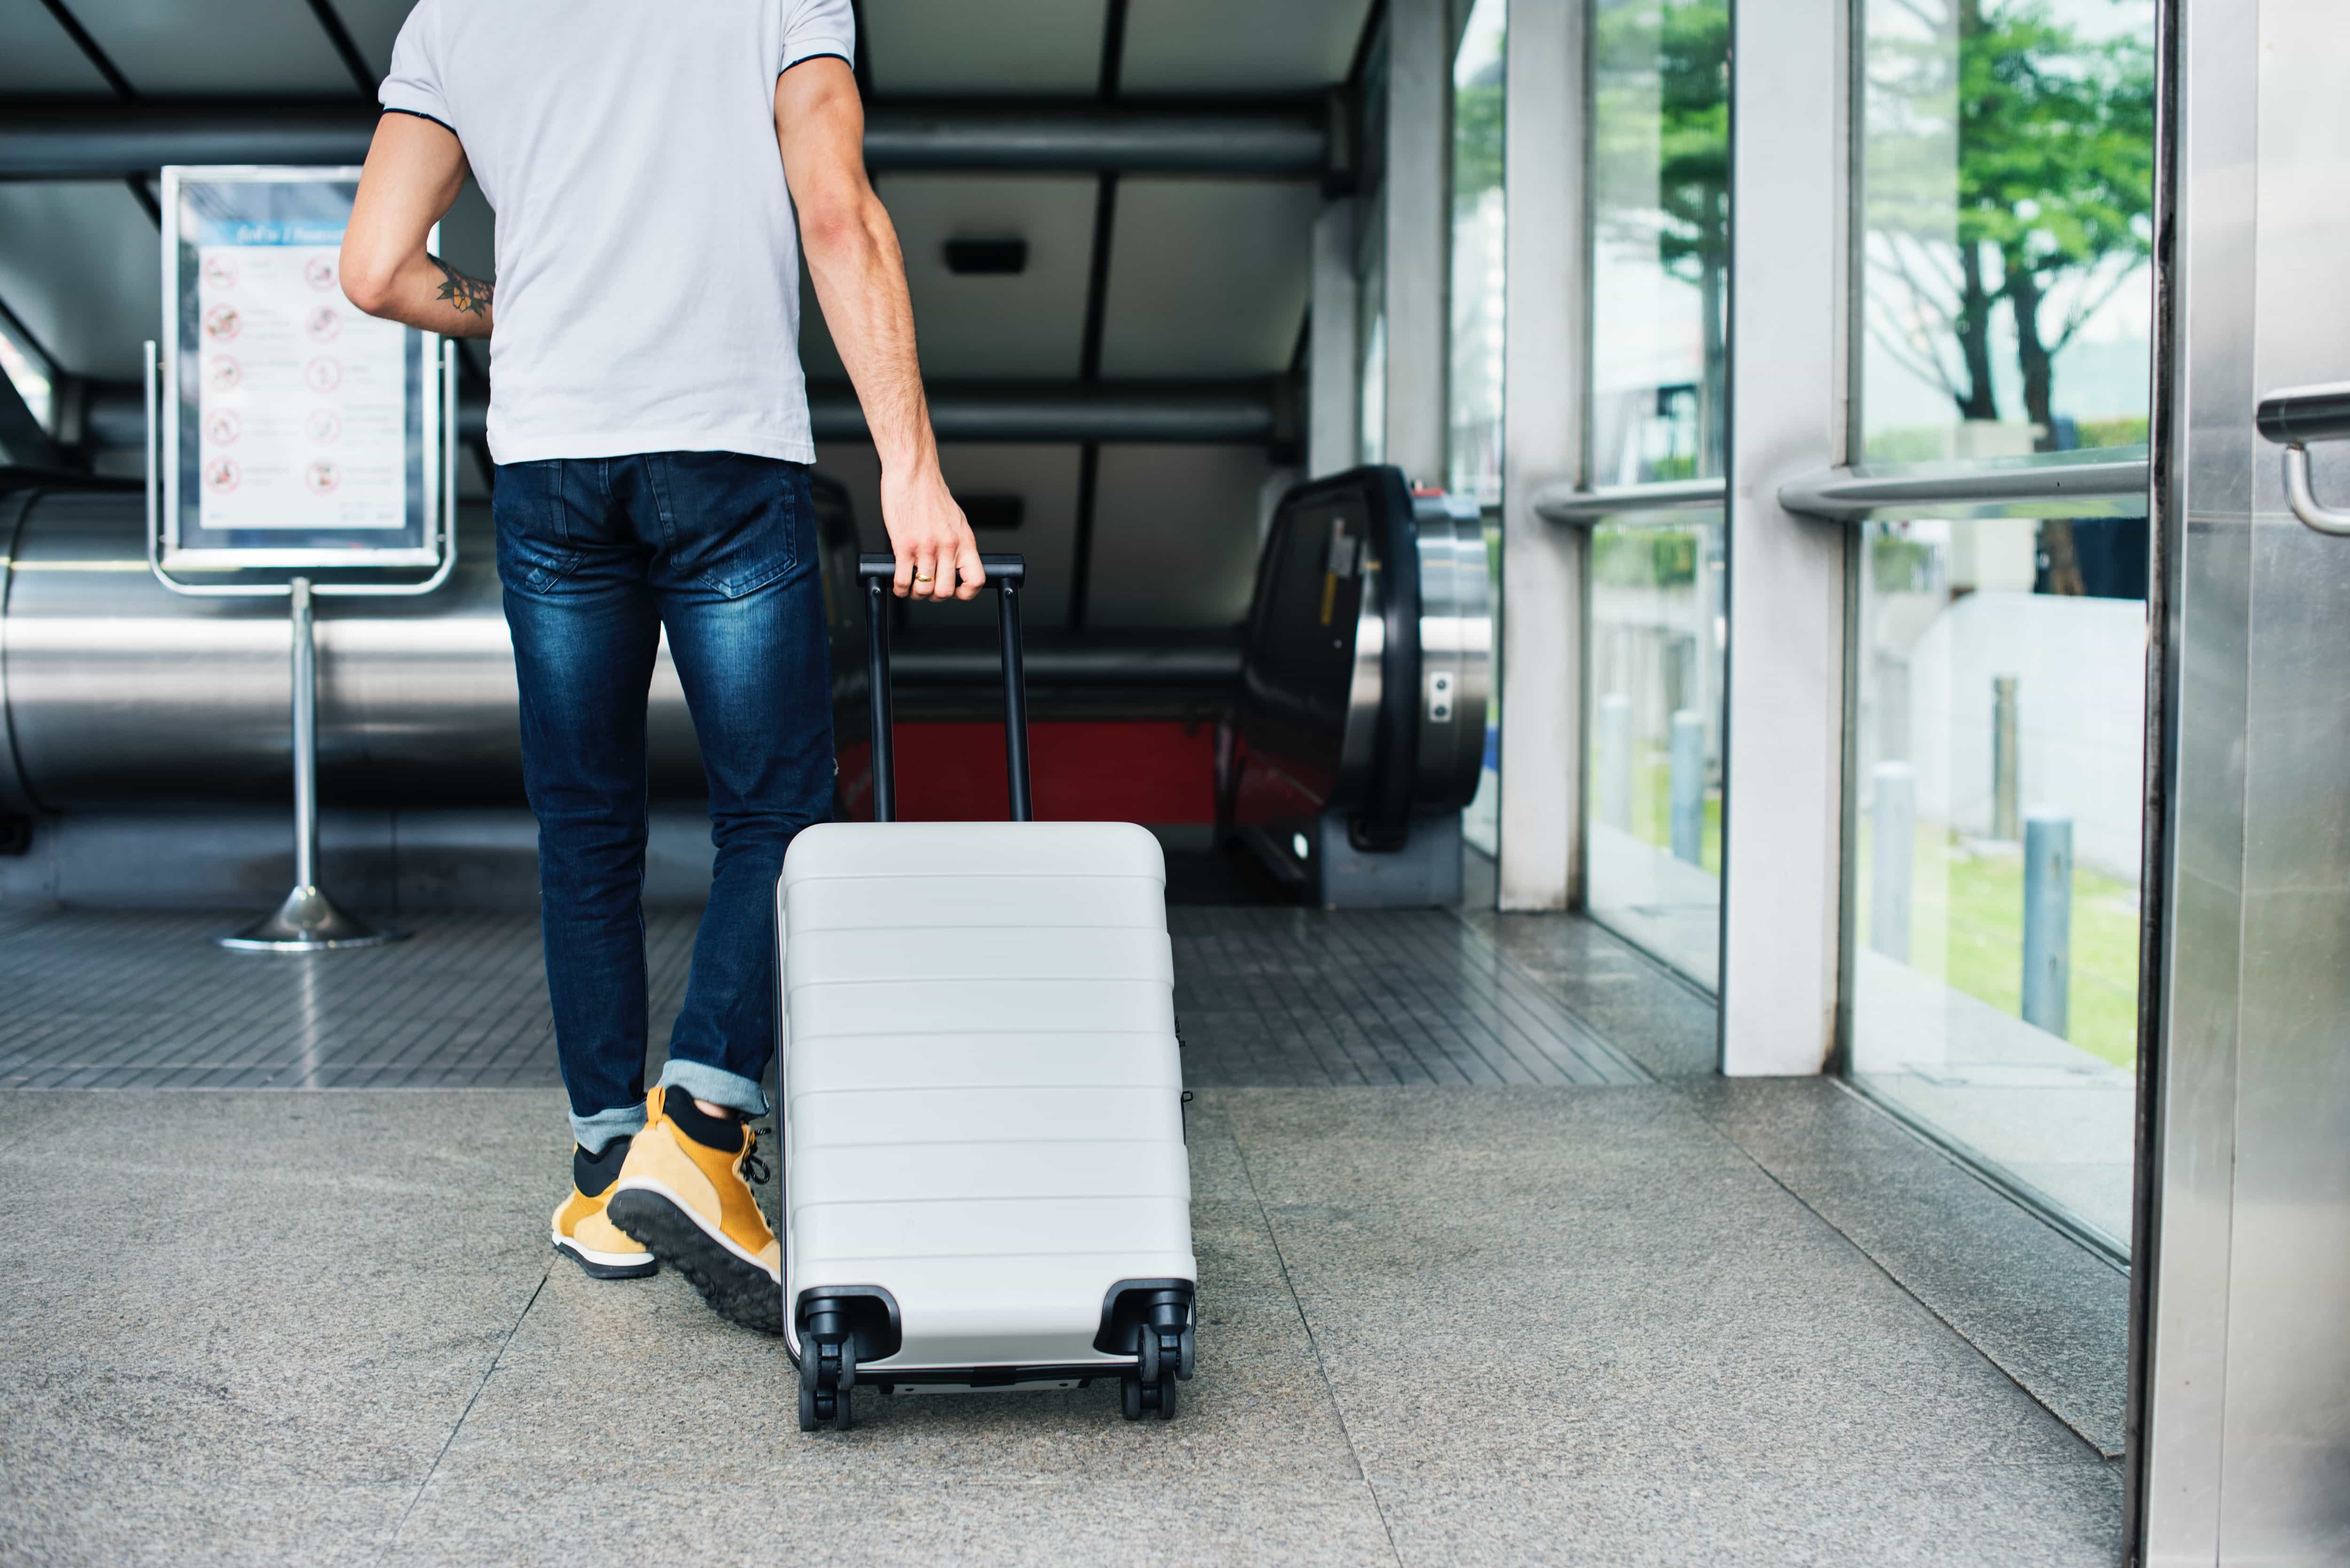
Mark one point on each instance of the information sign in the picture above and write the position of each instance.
(298, 431)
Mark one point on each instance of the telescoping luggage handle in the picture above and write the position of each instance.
(1007, 573)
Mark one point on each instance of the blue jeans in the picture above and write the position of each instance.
(598, 555)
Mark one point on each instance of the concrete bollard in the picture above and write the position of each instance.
(1895, 815)
(1687, 787)
(2006, 762)
(2047, 918)
(1615, 759)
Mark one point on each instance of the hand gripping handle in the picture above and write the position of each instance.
(1008, 573)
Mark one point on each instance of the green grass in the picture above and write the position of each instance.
(1966, 929)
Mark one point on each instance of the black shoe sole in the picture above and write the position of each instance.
(644, 1270)
(739, 1292)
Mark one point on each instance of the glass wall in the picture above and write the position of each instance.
(1660, 242)
(1997, 792)
(2007, 194)
(1653, 829)
(1473, 388)
(1659, 271)
(1473, 444)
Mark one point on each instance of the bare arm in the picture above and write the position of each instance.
(860, 282)
(414, 171)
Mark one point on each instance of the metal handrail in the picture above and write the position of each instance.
(2293, 417)
(1588, 508)
(2096, 485)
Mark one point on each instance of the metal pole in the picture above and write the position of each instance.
(2006, 761)
(2047, 918)
(308, 920)
(876, 650)
(1616, 759)
(1015, 699)
(306, 740)
(1894, 813)
(1687, 791)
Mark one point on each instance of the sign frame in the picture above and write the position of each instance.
(425, 536)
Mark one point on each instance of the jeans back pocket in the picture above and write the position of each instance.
(536, 550)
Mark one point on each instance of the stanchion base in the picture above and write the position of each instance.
(308, 922)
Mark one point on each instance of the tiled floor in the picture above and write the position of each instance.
(1266, 997)
(1478, 1286)
(118, 1000)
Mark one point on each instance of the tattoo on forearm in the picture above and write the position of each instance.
(471, 295)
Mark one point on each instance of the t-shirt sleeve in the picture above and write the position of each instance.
(414, 84)
(817, 27)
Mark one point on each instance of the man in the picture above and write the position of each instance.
(648, 420)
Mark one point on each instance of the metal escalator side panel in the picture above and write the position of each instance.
(15, 795)
(1385, 819)
(1309, 690)
(1456, 652)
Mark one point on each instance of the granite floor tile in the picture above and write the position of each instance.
(730, 1515)
(2058, 1515)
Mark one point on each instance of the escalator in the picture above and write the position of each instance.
(1335, 736)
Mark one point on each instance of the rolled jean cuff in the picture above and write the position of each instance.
(593, 1132)
(717, 1086)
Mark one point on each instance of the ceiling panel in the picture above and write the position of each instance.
(1208, 277)
(1175, 533)
(954, 47)
(373, 25)
(248, 46)
(1044, 477)
(1030, 324)
(1239, 46)
(81, 266)
(35, 55)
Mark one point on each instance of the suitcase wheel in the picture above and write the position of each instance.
(828, 1372)
(1150, 1386)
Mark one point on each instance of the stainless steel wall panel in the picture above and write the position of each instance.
(2247, 1371)
(2285, 1476)
(2210, 302)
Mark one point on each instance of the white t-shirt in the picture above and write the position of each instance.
(648, 265)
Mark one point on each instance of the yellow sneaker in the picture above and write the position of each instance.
(583, 1233)
(683, 1192)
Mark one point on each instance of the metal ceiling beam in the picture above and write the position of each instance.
(86, 138)
(1214, 413)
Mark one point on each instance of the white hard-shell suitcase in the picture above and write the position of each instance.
(985, 1184)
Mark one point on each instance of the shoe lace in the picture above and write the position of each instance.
(753, 1169)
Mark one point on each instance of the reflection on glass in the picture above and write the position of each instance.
(1997, 806)
(1660, 238)
(2008, 150)
(1653, 826)
(1473, 462)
